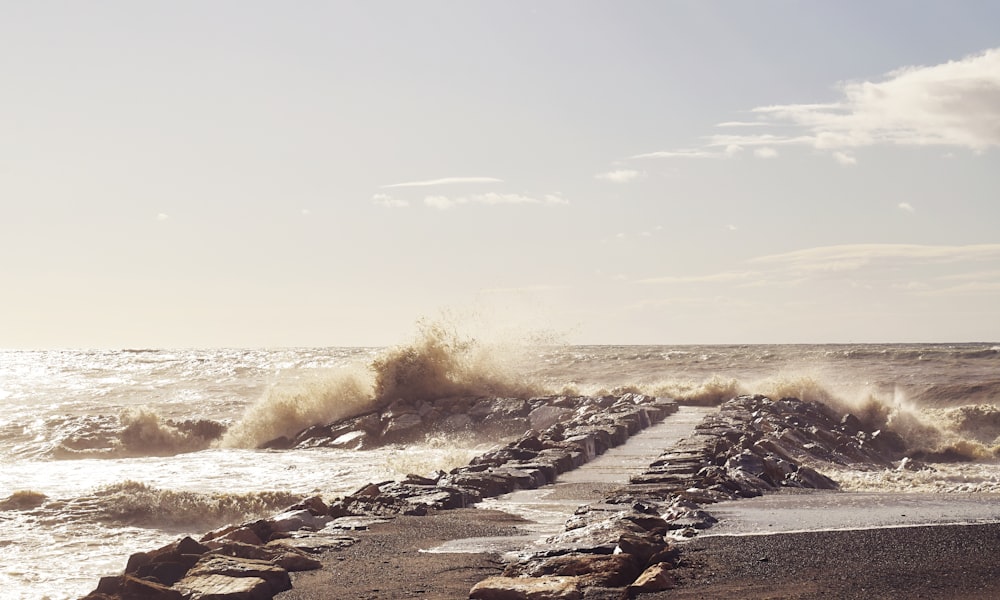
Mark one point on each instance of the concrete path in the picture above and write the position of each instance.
(548, 507)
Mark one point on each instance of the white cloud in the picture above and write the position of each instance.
(855, 256)
(492, 198)
(953, 104)
(844, 159)
(906, 206)
(444, 181)
(682, 154)
(619, 176)
(305, 212)
(162, 217)
(765, 152)
(388, 201)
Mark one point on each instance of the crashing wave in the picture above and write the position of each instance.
(137, 504)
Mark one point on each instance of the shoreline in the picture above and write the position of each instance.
(640, 539)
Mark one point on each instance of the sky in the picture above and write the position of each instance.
(260, 173)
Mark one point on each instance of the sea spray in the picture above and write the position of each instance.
(439, 363)
(289, 408)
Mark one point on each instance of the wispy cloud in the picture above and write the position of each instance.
(726, 277)
(729, 152)
(443, 181)
(446, 202)
(162, 217)
(954, 104)
(854, 256)
(906, 206)
(864, 266)
(845, 159)
(620, 175)
(388, 201)
(765, 152)
(525, 289)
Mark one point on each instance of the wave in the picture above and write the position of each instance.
(439, 363)
(137, 504)
(23, 500)
(133, 433)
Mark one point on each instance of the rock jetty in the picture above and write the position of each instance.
(621, 547)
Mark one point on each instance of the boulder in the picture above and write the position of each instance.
(654, 579)
(527, 588)
(216, 586)
(217, 570)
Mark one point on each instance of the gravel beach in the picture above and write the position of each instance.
(948, 561)
(389, 560)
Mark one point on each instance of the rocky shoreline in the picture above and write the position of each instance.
(621, 547)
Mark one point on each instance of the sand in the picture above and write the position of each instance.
(948, 561)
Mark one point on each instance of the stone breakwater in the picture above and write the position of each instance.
(626, 545)
(618, 548)
(253, 560)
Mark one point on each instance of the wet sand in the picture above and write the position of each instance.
(951, 561)
(388, 560)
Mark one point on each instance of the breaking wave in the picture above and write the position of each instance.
(440, 363)
(133, 433)
(137, 504)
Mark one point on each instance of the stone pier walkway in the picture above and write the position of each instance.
(547, 508)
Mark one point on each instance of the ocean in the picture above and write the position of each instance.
(107, 452)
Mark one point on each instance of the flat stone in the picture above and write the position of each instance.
(216, 586)
(527, 588)
(277, 578)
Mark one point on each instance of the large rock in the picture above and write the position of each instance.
(203, 574)
(527, 588)
(216, 586)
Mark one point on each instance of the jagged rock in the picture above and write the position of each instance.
(297, 519)
(546, 416)
(314, 504)
(527, 588)
(223, 571)
(642, 546)
(603, 570)
(654, 579)
(403, 423)
(284, 556)
(459, 422)
(216, 586)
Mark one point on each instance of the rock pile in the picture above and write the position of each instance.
(618, 548)
(623, 546)
(406, 421)
(252, 561)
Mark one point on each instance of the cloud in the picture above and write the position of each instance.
(444, 181)
(305, 212)
(765, 152)
(726, 277)
(844, 159)
(492, 198)
(619, 176)
(682, 154)
(954, 104)
(525, 289)
(388, 201)
(906, 206)
(162, 217)
(855, 256)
